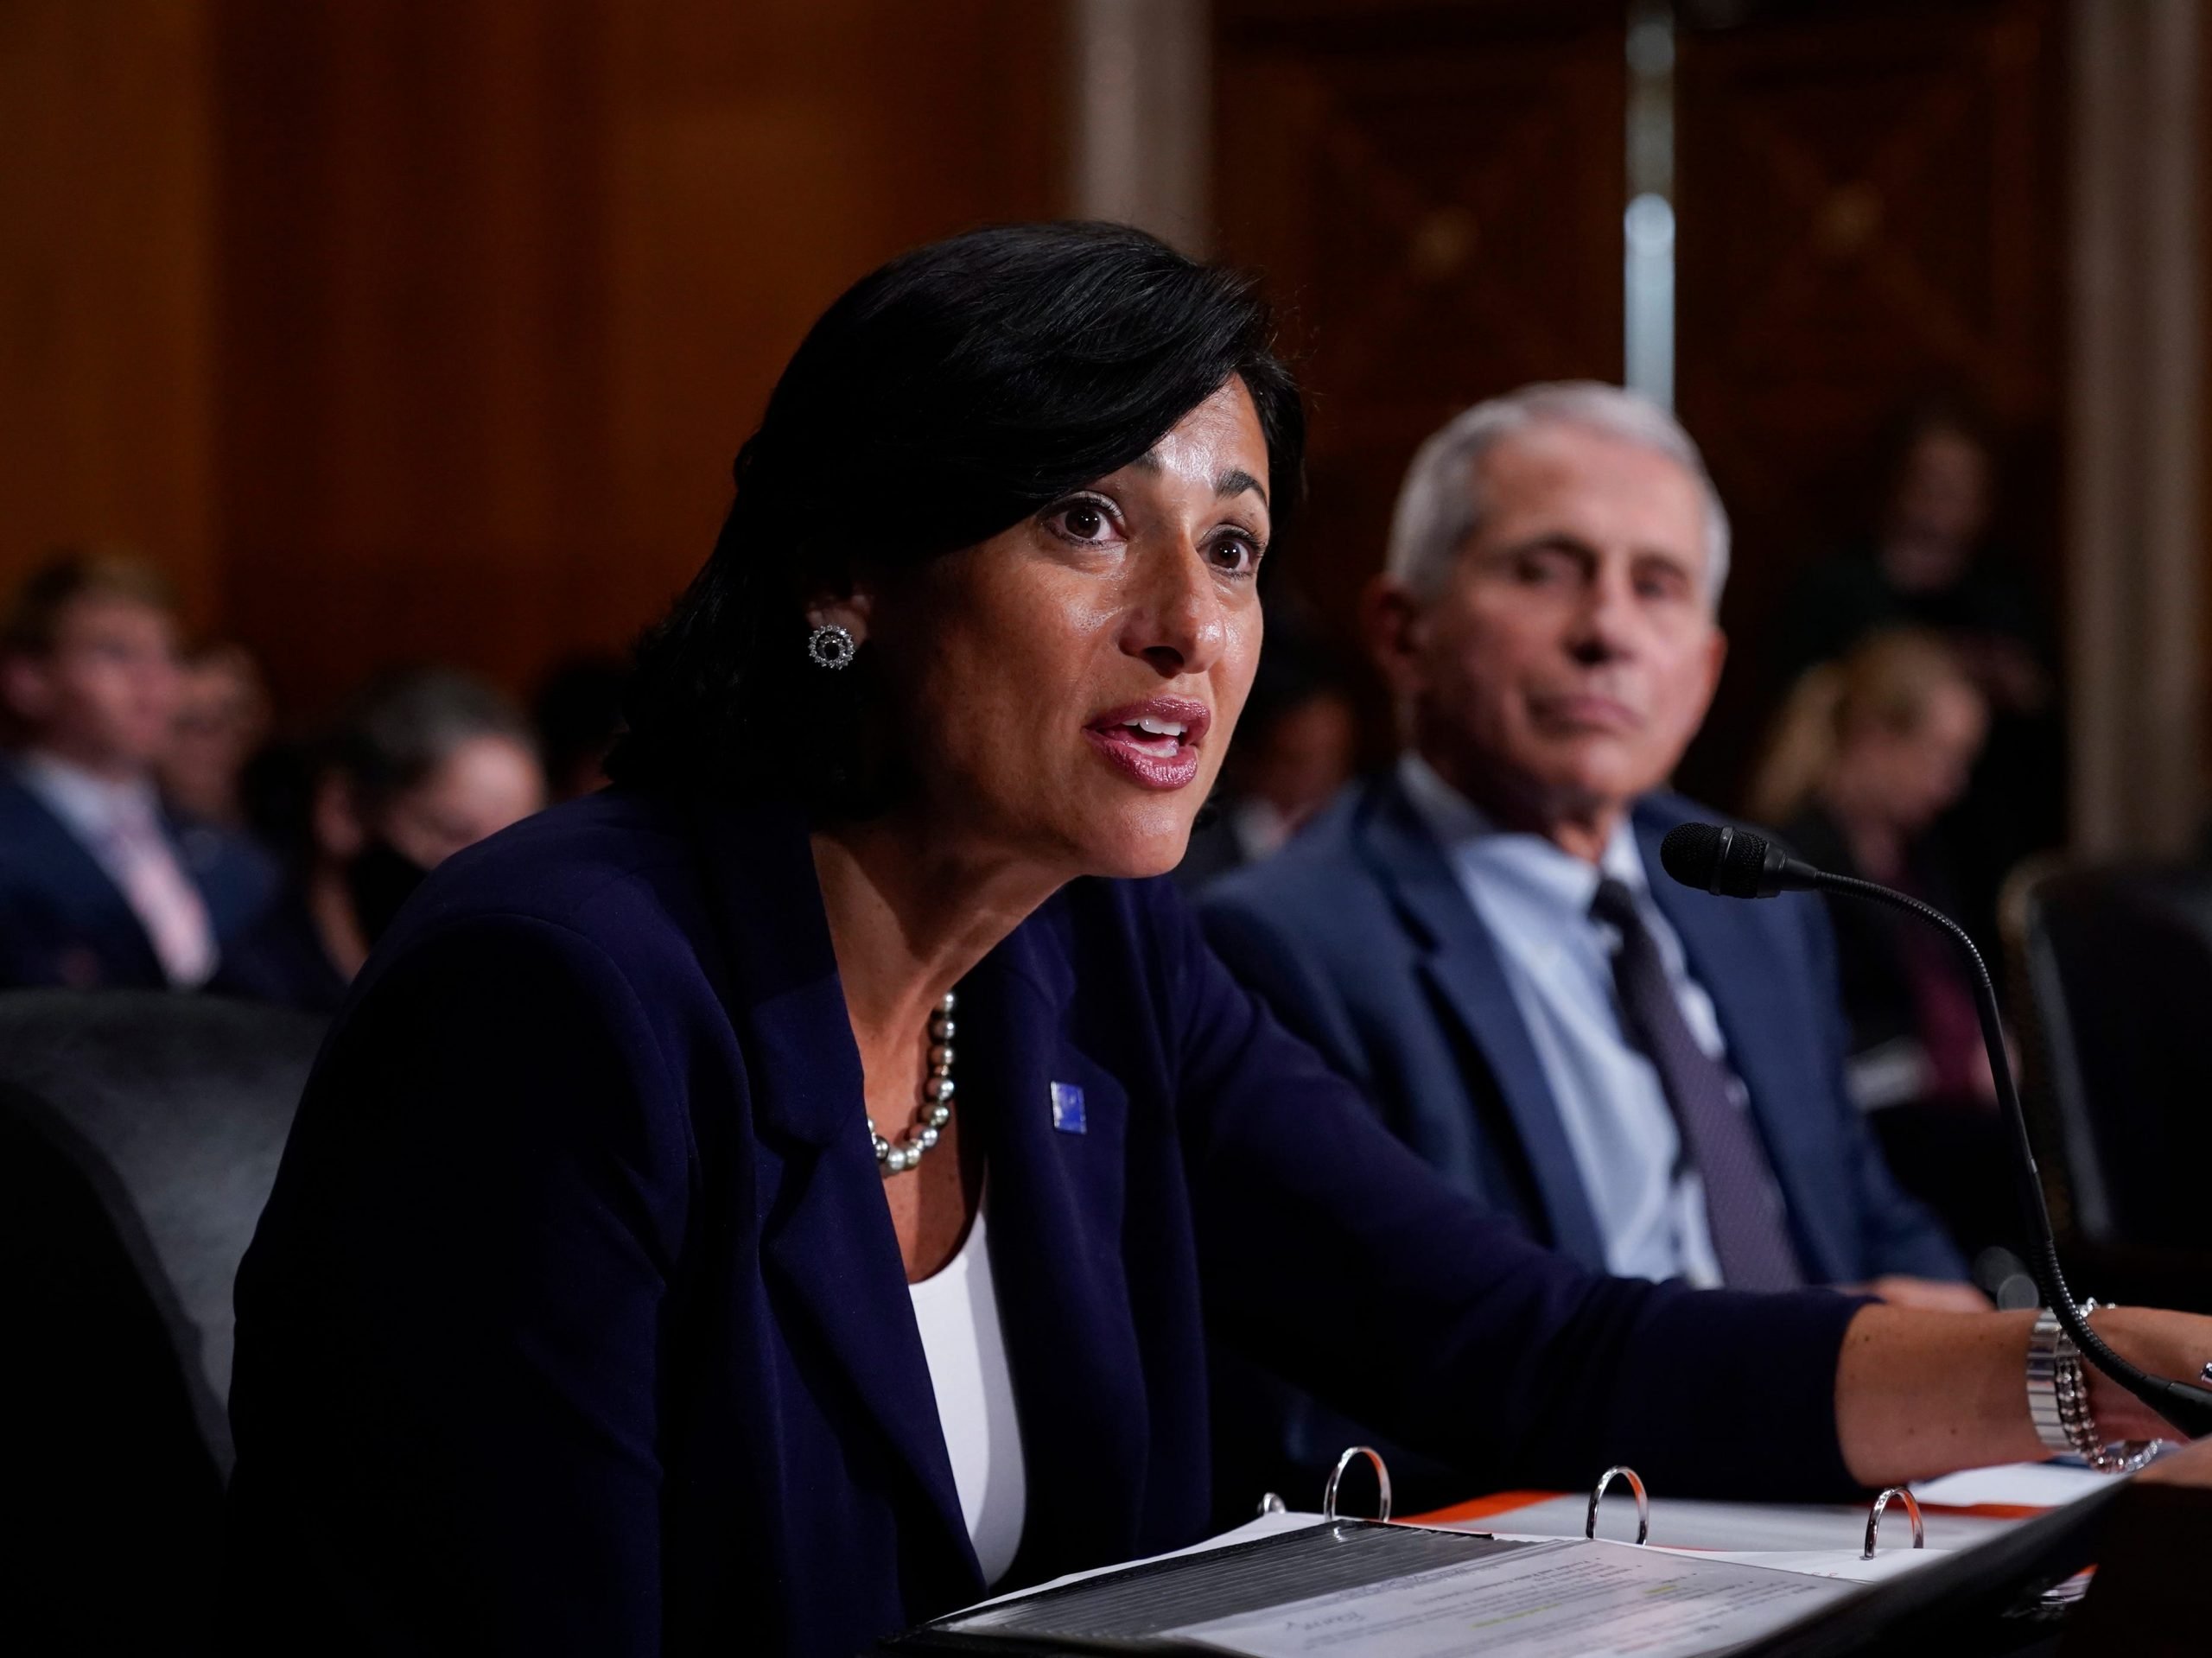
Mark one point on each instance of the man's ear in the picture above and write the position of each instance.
(1391, 621)
(1716, 660)
(26, 688)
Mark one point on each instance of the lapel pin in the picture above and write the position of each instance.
(1067, 1109)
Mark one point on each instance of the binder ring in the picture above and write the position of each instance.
(1382, 1482)
(1911, 1513)
(1636, 1490)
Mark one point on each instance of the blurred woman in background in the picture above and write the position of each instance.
(1867, 753)
(426, 761)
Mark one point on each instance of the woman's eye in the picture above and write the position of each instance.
(1236, 554)
(1083, 522)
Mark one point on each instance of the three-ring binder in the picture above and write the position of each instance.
(1635, 1489)
(1271, 1503)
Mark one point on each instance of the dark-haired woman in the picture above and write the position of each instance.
(601, 1305)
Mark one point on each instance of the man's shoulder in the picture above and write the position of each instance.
(1324, 879)
(1791, 917)
(1663, 809)
(22, 812)
(39, 852)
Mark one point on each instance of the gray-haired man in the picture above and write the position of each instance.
(1649, 1077)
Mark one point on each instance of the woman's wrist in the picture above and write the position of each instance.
(1921, 1394)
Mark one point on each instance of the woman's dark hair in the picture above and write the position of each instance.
(953, 392)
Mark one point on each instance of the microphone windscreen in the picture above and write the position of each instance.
(1730, 862)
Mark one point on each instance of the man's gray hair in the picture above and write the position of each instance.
(1440, 504)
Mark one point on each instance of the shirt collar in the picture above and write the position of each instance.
(89, 804)
(1541, 872)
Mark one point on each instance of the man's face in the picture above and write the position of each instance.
(1572, 652)
(106, 695)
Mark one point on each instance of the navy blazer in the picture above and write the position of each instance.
(64, 921)
(576, 1322)
(1360, 937)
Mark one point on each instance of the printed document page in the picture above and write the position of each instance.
(1552, 1599)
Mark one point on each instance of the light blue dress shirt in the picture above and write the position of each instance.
(1534, 899)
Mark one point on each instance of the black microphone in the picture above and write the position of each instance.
(1737, 863)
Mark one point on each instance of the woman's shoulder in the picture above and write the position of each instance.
(614, 874)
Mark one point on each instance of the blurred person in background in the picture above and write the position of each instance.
(578, 713)
(223, 718)
(1296, 750)
(1868, 752)
(1927, 562)
(425, 762)
(102, 884)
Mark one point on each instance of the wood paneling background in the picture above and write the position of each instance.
(428, 327)
(1433, 195)
(1869, 210)
(106, 270)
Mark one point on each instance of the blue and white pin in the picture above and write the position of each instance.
(1067, 1110)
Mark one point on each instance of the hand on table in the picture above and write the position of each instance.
(2177, 1346)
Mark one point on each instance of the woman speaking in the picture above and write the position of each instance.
(784, 1196)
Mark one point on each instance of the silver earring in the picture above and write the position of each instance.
(830, 646)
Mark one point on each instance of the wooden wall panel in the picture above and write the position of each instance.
(1433, 196)
(106, 265)
(504, 286)
(1869, 210)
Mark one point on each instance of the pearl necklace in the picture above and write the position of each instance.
(936, 1100)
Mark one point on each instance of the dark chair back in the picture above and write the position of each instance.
(174, 1110)
(2119, 964)
(139, 1137)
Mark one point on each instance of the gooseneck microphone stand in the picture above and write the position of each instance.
(1735, 863)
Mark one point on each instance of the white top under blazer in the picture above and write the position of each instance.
(958, 1310)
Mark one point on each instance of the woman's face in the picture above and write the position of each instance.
(1917, 775)
(1066, 689)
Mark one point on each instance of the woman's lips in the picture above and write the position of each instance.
(1166, 756)
(1157, 763)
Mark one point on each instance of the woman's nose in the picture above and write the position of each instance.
(1175, 620)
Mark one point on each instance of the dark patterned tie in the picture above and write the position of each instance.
(1748, 1235)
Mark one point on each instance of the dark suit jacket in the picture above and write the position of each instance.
(63, 922)
(576, 1322)
(1360, 937)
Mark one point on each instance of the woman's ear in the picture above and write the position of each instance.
(849, 610)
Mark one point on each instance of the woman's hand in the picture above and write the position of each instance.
(2175, 1345)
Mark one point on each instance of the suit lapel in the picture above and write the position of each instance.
(828, 1238)
(1056, 1202)
(1464, 968)
(1743, 969)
